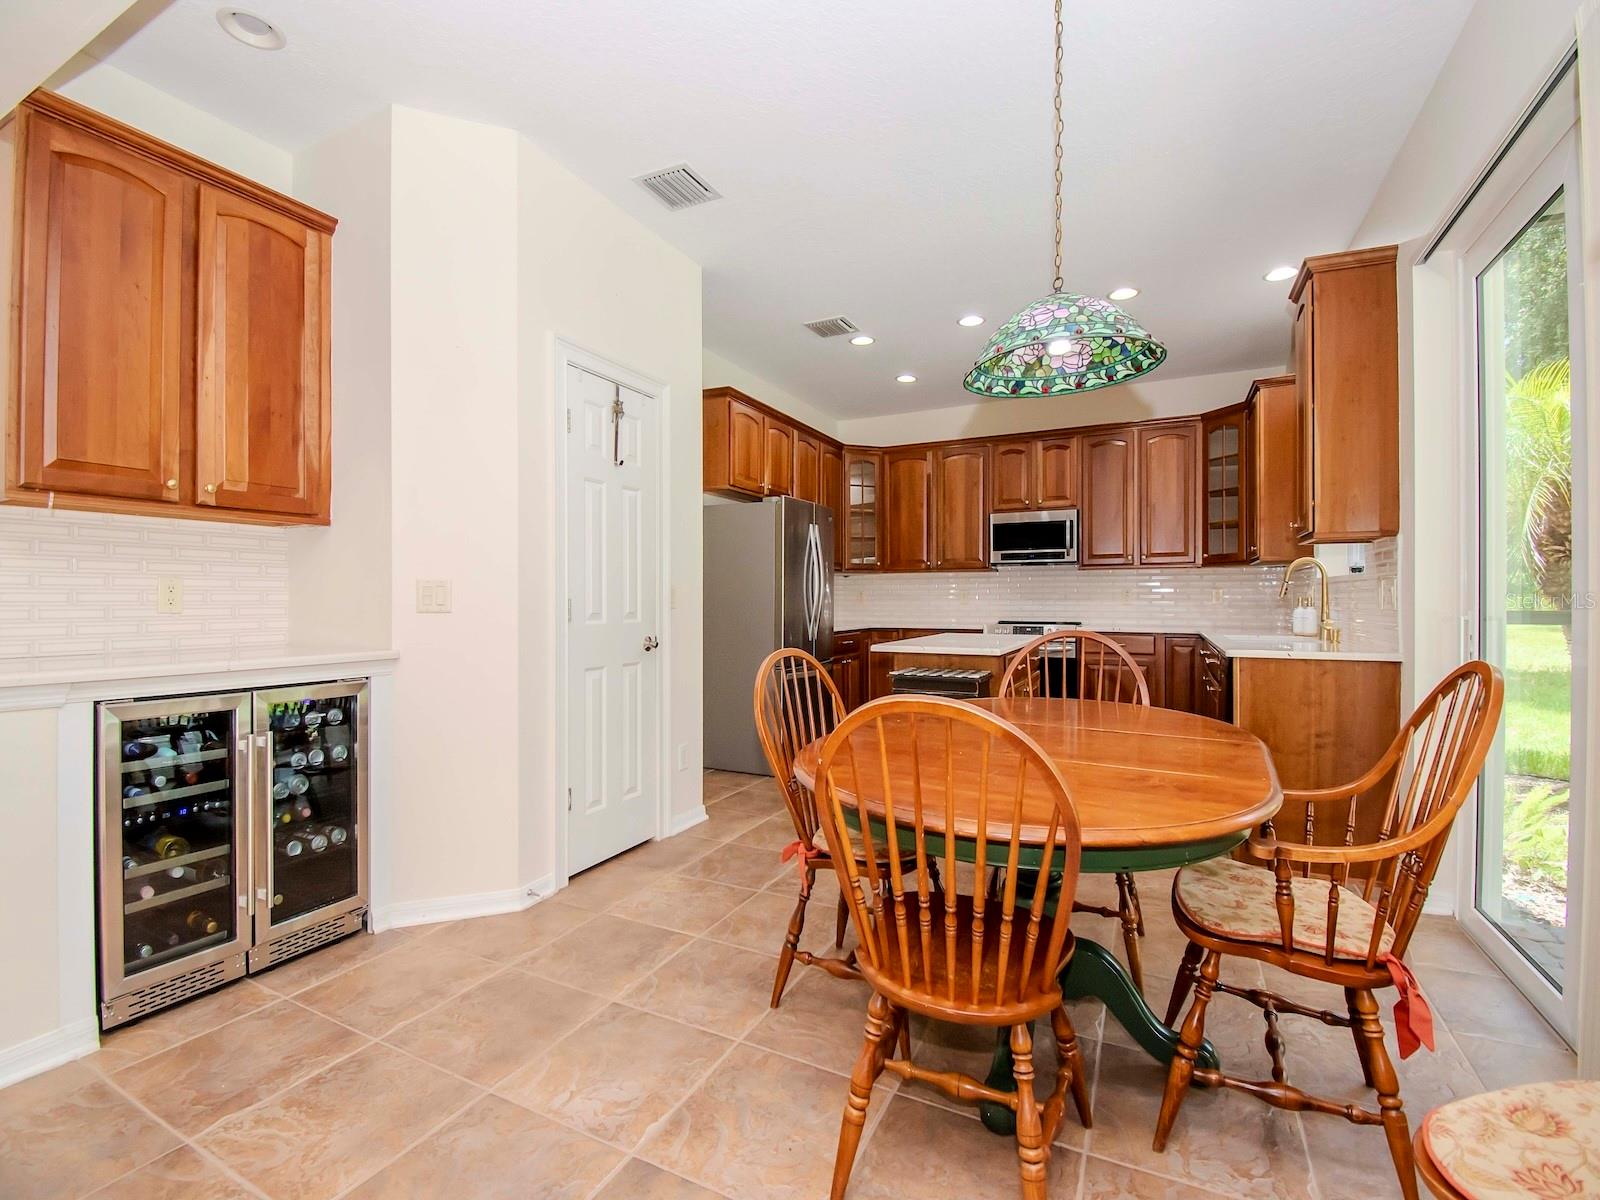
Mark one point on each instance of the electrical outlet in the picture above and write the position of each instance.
(1216, 595)
(1387, 599)
(169, 594)
(433, 595)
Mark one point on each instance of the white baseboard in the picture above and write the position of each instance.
(686, 820)
(1441, 902)
(39, 1054)
(458, 908)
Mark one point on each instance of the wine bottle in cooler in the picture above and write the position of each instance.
(337, 835)
(165, 845)
(336, 744)
(297, 783)
(137, 751)
(290, 843)
(202, 923)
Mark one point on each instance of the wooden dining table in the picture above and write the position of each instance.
(1153, 789)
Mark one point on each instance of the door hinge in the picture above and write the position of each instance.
(569, 799)
(569, 609)
(569, 420)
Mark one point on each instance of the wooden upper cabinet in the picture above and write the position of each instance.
(171, 328)
(1030, 473)
(779, 441)
(961, 521)
(906, 511)
(1167, 472)
(807, 475)
(1225, 484)
(830, 494)
(1014, 473)
(99, 407)
(864, 509)
(1107, 527)
(746, 448)
(1304, 469)
(1347, 375)
(1273, 428)
(1057, 472)
(262, 416)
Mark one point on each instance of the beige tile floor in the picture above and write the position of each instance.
(615, 1042)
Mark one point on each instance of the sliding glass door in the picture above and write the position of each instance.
(1523, 280)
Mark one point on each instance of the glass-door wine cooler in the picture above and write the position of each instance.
(232, 835)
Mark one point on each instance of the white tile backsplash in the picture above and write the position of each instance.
(1178, 600)
(85, 584)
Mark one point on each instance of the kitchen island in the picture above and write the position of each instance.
(989, 652)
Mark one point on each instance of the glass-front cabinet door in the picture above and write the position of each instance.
(1225, 540)
(863, 478)
(311, 818)
(174, 797)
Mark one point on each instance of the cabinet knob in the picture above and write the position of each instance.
(211, 489)
(171, 483)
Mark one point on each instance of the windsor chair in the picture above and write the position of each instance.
(796, 703)
(1105, 672)
(1349, 924)
(1539, 1139)
(991, 955)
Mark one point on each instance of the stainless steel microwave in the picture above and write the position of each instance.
(1037, 538)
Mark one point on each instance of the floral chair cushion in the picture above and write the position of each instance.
(1540, 1140)
(1239, 901)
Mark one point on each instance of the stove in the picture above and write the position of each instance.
(1058, 679)
(1034, 628)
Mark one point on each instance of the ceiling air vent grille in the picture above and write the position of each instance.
(832, 326)
(679, 187)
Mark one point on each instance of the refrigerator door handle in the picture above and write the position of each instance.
(813, 583)
(247, 830)
(263, 797)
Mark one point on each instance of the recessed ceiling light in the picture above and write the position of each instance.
(1124, 293)
(250, 29)
(905, 378)
(861, 339)
(1279, 274)
(970, 320)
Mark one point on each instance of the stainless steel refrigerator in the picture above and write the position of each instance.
(232, 836)
(768, 583)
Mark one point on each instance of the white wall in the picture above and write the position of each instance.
(30, 1002)
(719, 371)
(134, 102)
(1142, 400)
(1504, 52)
(593, 276)
(37, 36)
(339, 574)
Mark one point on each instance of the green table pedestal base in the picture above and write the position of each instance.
(1093, 972)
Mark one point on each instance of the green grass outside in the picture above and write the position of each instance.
(1538, 702)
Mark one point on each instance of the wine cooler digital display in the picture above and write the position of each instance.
(233, 835)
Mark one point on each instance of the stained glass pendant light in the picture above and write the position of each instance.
(1065, 342)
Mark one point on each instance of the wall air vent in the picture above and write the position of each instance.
(678, 187)
(833, 327)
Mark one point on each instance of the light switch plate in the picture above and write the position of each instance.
(169, 594)
(433, 595)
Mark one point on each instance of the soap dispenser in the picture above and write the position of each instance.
(1305, 622)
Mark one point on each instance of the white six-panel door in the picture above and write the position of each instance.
(613, 577)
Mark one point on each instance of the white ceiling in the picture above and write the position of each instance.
(889, 160)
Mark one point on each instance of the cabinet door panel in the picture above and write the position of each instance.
(1169, 495)
(807, 467)
(101, 306)
(262, 395)
(747, 448)
(1107, 520)
(864, 509)
(830, 489)
(962, 523)
(908, 480)
(1182, 674)
(1057, 470)
(780, 458)
(1305, 487)
(1275, 470)
(1225, 488)
(1013, 488)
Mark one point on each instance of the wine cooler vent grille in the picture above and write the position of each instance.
(171, 991)
(309, 938)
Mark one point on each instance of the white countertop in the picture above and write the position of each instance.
(983, 645)
(1278, 645)
(72, 669)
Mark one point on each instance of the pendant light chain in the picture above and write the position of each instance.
(1057, 285)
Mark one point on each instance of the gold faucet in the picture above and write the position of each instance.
(1330, 631)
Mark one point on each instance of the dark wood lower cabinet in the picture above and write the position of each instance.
(1180, 683)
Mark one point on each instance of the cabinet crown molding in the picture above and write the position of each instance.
(70, 112)
(1342, 261)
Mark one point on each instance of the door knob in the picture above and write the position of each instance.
(650, 643)
(171, 483)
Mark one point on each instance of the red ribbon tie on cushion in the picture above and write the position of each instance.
(802, 853)
(1413, 1019)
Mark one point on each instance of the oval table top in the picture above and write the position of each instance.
(1141, 779)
